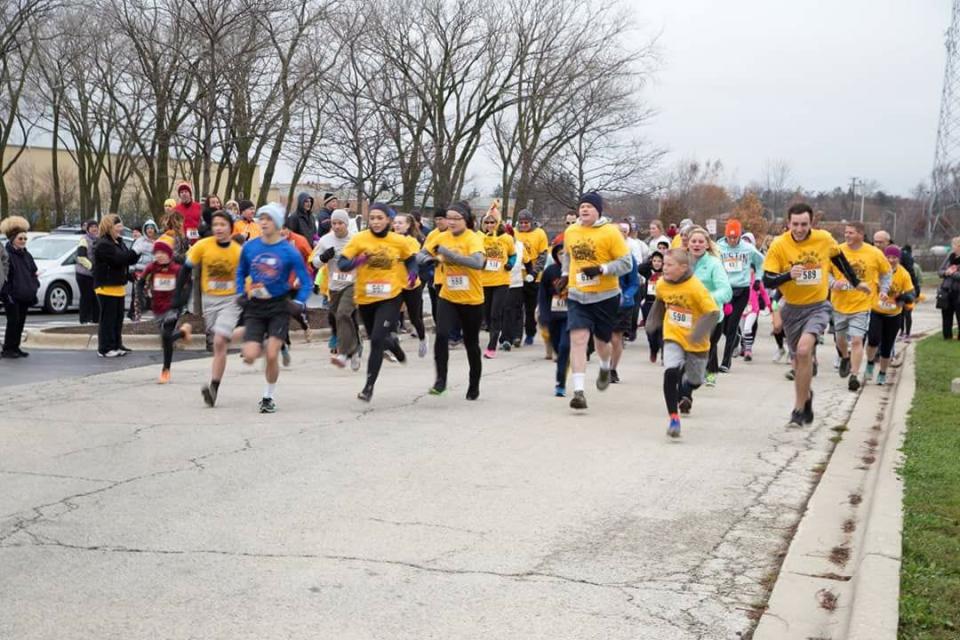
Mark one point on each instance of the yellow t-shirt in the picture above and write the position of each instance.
(497, 250)
(383, 276)
(460, 284)
(534, 242)
(813, 254)
(685, 304)
(415, 247)
(249, 229)
(677, 241)
(869, 264)
(593, 246)
(112, 290)
(218, 266)
(899, 283)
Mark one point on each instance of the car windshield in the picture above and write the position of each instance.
(50, 247)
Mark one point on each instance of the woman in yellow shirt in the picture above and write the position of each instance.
(405, 225)
(885, 315)
(500, 254)
(460, 251)
(112, 260)
(385, 263)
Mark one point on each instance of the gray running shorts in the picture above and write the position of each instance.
(807, 318)
(694, 364)
(221, 314)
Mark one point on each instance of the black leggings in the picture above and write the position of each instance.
(531, 291)
(469, 317)
(675, 387)
(731, 323)
(168, 335)
(494, 307)
(380, 319)
(883, 332)
(413, 301)
(906, 321)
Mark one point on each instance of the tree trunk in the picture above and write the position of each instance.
(55, 166)
(4, 197)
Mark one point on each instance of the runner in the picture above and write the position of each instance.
(708, 269)
(758, 300)
(500, 255)
(460, 250)
(535, 248)
(652, 271)
(385, 263)
(268, 261)
(406, 226)
(216, 257)
(191, 211)
(246, 227)
(740, 260)
(552, 312)
(851, 305)
(342, 310)
(885, 315)
(626, 325)
(798, 263)
(160, 283)
(512, 329)
(687, 313)
(596, 256)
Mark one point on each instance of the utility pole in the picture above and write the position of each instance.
(945, 194)
(853, 195)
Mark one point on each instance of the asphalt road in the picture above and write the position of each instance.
(46, 365)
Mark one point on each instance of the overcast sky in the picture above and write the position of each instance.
(838, 88)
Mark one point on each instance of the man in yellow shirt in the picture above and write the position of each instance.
(595, 257)
(851, 306)
(535, 248)
(798, 263)
(687, 313)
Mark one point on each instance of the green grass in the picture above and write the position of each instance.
(930, 575)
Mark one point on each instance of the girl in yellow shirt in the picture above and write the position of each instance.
(405, 225)
(500, 254)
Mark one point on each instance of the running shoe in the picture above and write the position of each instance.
(603, 379)
(516, 343)
(398, 352)
(22, 353)
(724, 368)
(711, 380)
(844, 368)
(907, 338)
(796, 419)
(455, 343)
(210, 395)
(881, 379)
(836, 362)
(781, 353)
(790, 375)
(578, 401)
(748, 356)
(653, 358)
(422, 349)
(438, 388)
(267, 405)
(285, 355)
(674, 429)
(560, 391)
(473, 393)
(357, 358)
(164, 377)
(366, 394)
(489, 354)
(115, 353)
(339, 360)
(505, 346)
(808, 409)
(528, 341)
(853, 384)
(685, 404)
(123, 349)
(868, 375)
(614, 377)
(389, 356)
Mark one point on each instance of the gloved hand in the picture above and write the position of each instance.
(592, 271)
(727, 309)
(756, 286)
(360, 260)
(327, 255)
(241, 300)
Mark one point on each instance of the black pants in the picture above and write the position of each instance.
(906, 321)
(469, 317)
(512, 328)
(16, 318)
(883, 332)
(948, 315)
(89, 307)
(413, 301)
(380, 319)
(110, 331)
(560, 340)
(494, 305)
(432, 291)
(168, 335)
(731, 324)
(655, 339)
(530, 291)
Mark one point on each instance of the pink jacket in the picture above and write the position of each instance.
(753, 306)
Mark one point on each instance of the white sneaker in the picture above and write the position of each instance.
(777, 359)
(422, 349)
(116, 353)
(389, 356)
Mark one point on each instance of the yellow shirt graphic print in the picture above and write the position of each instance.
(593, 246)
(813, 254)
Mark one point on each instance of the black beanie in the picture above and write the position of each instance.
(592, 198)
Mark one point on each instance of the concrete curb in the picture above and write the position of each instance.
(841, 575)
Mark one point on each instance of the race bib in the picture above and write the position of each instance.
(458, 283)
(379, 289)
(680, 317)
(164, 283)
(259, 292)
(493, 265)
(219, 285)
(889, 305)
(558, 304)
(193, 234)
(810, 277)
(341, 276)
(584, 280)
(732, 264)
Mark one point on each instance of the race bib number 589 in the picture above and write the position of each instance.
(809, 277)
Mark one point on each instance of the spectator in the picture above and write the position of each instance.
(89, 307)
(111, 261)
(302, 221)
(19, 292)
(330, 203)
(948, 295)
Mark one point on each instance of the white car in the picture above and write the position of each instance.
(56, 258)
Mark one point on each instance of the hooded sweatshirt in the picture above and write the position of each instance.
(191, 212)
(144, 246)
(301, 221)
(339, 280)
(738, 260)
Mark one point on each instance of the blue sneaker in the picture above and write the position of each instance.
(674, 429)
(528, 341)
(559, 391)
(881, 379)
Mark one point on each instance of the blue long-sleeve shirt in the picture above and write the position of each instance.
(629, 285)
(269, 267)
(737, 262)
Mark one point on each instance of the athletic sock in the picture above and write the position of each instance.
(269, 390)
(604, 364)
(579, 380)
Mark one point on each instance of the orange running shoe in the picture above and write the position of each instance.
(164, 377)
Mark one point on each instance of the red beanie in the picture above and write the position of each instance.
(733, 226)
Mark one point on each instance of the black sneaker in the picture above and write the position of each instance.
(210, 396)
(603, 380)
(438, 388)
(505, 346)
(614, 378)
(22, 353)
(16, 354)
(366, 394)
(796, 419)
(853, 383)
(473, 393)
(578, 401)
(844, 369)
(685, 405)
(267, 405)
(808, 409)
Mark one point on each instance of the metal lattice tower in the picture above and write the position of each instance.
(945, 195)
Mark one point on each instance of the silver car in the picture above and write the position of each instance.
(56, 258)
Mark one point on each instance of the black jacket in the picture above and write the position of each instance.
(112, 259)
(22, 283)
(949, 289)
(301, 221)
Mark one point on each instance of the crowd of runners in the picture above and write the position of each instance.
(587, 292)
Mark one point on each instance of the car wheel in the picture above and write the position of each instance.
(57, 299)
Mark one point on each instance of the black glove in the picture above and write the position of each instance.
(327, 255)
(241, 300)
(529, 267)
(756, 286)
(592, 271)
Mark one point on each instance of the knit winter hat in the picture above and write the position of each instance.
(184, 187)
(341, 215)
(244, 205)
(162, 247)
(733, 226)
(525, 214)
(327, 197)
(892, 251)
(274, 211)
(593, 199)
(379, 206)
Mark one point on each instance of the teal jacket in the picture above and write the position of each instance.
(737, 262)
(710, 272)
